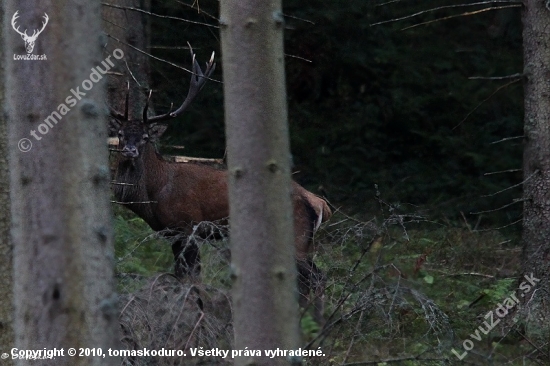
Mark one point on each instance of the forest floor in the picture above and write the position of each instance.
(401, 289)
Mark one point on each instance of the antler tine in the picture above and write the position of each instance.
(147, 106)
(127, 101)
(198, 79)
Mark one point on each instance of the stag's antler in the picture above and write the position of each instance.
(198, 79)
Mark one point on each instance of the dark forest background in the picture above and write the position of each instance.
(411, 128)
(414, 111)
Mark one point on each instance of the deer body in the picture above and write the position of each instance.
(176, 196)
(173, 197)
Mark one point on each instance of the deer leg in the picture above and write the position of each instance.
(311, 287)
(187, 258)
(304, 283)
(318, 283)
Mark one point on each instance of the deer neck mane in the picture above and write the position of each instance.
(136, 182)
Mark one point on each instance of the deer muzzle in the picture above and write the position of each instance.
(130, 151)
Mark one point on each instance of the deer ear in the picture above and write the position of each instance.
(155, 130)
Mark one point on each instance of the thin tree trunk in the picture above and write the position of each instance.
(262, 243)
(536, 167)
(62, 234)
(6, 249)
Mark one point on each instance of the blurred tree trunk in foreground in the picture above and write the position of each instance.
(62, 234)
(536, 167)
(6, 249)
(262, 243)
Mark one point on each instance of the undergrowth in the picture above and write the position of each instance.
(401, 290)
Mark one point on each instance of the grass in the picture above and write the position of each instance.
(400, 291)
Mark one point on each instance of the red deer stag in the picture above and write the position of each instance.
(173, 197)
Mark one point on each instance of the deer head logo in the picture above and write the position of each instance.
(29, 40)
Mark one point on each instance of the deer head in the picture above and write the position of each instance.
(134, 134)
(29, 40)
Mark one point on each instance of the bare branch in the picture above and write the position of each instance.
(442, 7)
(463, 15)
(504, 171)
(463, 274)
(513, 76)
(297, 18)
(197, 8)
(530, 341)
(507, 139)
(500, 208)
(388, 2)
(298, 57)
(158, 58)
(483, 101)
(514, 186)
(157, 15)
(132, 75)
(500, 227)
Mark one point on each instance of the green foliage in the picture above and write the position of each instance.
(416, 289)
(309, 326)
(138, 251)
(423, 289)
(500, 290)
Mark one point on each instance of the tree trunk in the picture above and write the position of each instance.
(128, 29)
(6, 249)
(536, 166)
(62, 236)
(262, 241)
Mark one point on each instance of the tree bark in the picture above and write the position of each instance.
(62, 236)
(6, 249)
(536, 166)
(262, 244)
(128, 30)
